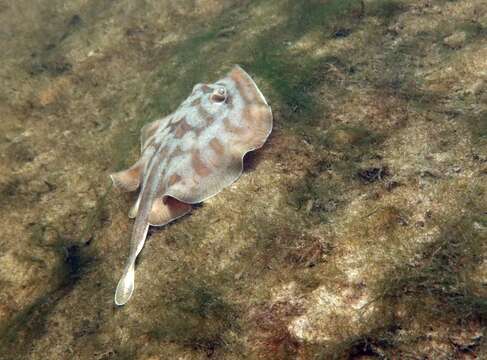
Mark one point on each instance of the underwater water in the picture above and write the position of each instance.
(357, 232)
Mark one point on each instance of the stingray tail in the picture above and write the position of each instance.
(148, 193)
(125, 286)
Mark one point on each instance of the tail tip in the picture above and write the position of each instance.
(125, 288)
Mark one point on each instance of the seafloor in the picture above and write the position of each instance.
(358, 232)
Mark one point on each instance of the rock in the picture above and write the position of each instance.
(455, 40)
(350, 305)
(38, 187)
(477, 87)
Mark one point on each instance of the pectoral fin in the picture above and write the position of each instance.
(128, 180)
(164, 210)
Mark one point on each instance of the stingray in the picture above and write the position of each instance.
(190, 156)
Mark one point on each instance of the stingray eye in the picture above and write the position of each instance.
(219, 95)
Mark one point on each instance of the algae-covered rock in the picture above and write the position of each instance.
(455, 40)
(356, 232)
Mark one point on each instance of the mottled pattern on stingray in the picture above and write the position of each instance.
(191, 155)
(208, 156)
(206, 139)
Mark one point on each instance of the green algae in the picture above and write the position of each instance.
(20, 152)
(96, 218)
(316, 196)
(74, 261)
(196, 315)
(9, 190)
(386, 10)
(435, 286)
(32, 321)
(293, 76)
(30, 325)
(478, 127)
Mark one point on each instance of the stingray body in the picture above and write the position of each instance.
(191, 155)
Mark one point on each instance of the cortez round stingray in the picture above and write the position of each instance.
(191, 155)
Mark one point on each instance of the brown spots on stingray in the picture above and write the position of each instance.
(229, 102)
(198, 165)
(218, 156)
(179, 132)
(254, 117)
(206, 89)
(176, 152)
(210, 120)
(173, 179)
(244, 87)
(217, 146)
(182, 128)
(205, 115)
(247, 116)
(199, 130)
(236, 130)
(163, 152)
(245, 137)
(196, 102)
